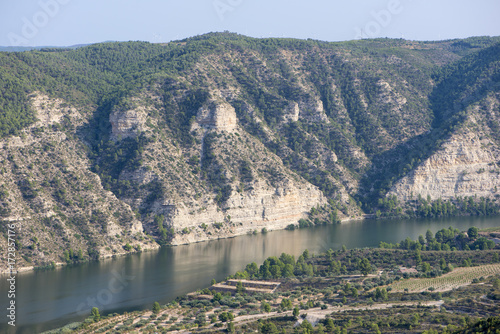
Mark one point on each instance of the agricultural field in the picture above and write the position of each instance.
(455, 279)
(301, 304)
(341, 291)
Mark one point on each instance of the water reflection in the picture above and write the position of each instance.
(52, 299)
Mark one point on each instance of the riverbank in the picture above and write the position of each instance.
(213, 233)
(230, 230)
(4, 270)
(198, 234)
(174, 271)
(324, 298)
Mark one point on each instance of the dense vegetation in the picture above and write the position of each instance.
(446, 240)
(341, 291)
(426, 208)
(420, 254)
(100, 74)
(16, 113)
(350, 118)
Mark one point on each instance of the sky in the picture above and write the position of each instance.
(71, 22)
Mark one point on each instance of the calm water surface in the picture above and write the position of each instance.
(51, 299)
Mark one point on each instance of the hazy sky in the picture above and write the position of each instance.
(69, 22)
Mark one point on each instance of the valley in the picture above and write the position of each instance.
(115, 148)
(357, 290)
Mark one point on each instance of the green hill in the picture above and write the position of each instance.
(116, 145)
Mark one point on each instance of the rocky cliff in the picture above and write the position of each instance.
(261, 192)
(118, 147)
(55, 201)
(467, 163)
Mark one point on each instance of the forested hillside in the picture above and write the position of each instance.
(116, 146)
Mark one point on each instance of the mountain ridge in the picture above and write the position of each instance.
(220, 135)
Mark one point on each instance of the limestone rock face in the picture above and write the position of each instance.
(270, 196)
(464, 166)
(217, 115)
(264, 207)
(388, 96)
(64, 192)
(309, 109)
(291, 113)
(215, 157)
(48, 110)
(139, 176)
(127, 123)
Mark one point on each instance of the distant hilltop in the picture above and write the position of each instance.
(29, 48)
(117, 147)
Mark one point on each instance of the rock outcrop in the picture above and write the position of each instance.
(292, 112)
(54, 199)
(222, 135)
(466, 165)
(308, 109)
(127, 123)
(216, 115)
(264, 207)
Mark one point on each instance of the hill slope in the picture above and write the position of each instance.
(111, 146)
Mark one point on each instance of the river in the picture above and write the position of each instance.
(51, 299)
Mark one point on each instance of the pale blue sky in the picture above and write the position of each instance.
(69, 22)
